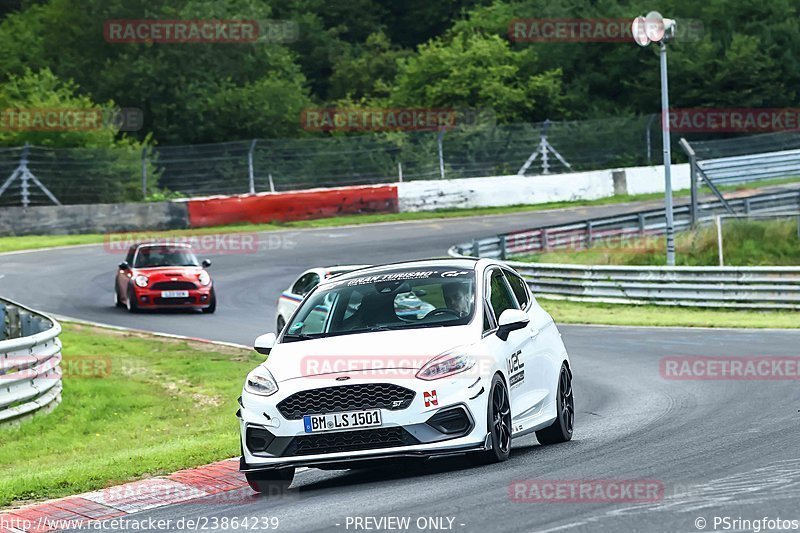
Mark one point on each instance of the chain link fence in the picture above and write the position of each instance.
(41, 176)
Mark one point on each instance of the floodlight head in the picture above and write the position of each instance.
(670, 29)
(654, 26)
(638, 31)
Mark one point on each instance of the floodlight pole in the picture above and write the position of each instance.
(667, 157)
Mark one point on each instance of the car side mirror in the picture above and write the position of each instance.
(264, 343)
(124, 265)
(511, 320)
(206, 263)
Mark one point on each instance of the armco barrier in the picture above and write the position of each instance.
(735, 287)
(30, 357)
(287, 206)
(724, 287)
(617, 228)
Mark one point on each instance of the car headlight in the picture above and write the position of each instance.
(261, 382)
(204, 278)
(445, 365)
(141, 280)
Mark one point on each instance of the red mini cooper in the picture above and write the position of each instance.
(161, 276)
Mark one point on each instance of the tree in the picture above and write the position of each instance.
(472, 70)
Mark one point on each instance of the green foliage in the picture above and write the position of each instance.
(109, 163)
(477, 71)
(451, 53)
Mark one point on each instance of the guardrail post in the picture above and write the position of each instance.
(476, 248)
(641, 224)
(545, 243)
(12, 323)
(589, 233)
(692, 179)
(144, 173)
(439, 142)
(747, 206)
(503, 247)
(250, 169)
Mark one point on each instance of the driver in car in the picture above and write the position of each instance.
(457, 297)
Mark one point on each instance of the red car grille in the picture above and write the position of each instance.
(174, 286)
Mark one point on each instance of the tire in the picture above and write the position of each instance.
(280, 325)
(562, 428)
(498, 414)
(270, 482)
(131, 303)
(213, 305)
(117, 303)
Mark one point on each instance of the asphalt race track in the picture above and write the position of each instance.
(718, 448)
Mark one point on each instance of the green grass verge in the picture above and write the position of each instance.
(745, 243)
(32, 242)
(568, 312)
(163, 406)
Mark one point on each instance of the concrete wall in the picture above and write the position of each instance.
(515, 190)
(425, 195)
(97, 218)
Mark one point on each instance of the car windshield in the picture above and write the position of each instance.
(161, 256)
(399, 299)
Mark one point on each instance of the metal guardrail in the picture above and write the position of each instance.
(731, 287)
(618, 228)
(734, 287)
(752, 167)
(30, 357)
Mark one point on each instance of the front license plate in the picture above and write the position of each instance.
(340, 421)
(174, 294)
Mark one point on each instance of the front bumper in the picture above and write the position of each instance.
(455, 424)
(150, 299)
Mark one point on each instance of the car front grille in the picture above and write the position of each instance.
(350, 441)
(173, 286)
(173, 301)
(346, 398)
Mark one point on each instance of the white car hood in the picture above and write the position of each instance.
(362, 352)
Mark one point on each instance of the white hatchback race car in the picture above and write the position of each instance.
(290, 299)
(353, 380)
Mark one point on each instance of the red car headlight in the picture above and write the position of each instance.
(141, 280)
(204, 278)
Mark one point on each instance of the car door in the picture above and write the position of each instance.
(499, 297)
(536, 354)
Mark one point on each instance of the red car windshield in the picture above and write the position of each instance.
(161, 256)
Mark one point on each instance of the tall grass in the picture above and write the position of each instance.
(745, 243)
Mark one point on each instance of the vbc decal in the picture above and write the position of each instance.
(430, 398)
(516, 374)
